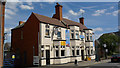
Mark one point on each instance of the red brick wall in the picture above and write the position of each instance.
(30, 39)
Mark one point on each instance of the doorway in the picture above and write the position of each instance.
(82, 54)
(47, 57)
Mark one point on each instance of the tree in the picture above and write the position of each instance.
(111, 40)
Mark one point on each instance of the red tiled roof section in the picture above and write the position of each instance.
(49, 20)
(69, 22)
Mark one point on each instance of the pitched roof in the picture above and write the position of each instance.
(19, 26)
(49, 20)
(70, 22)
(56, 22)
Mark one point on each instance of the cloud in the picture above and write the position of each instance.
(89, 7)
(66, 17)
(9, 11)
(99, 12)
(27, 7)
(96, 36)
(7, 30)
(76, 13)
(29, 3)
(41, 5)
(97, 29)
(114, 13)
(112, 7)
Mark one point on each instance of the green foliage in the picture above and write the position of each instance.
(111, 41)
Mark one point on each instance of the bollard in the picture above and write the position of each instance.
(75, 62)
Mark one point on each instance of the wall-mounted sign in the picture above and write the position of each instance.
(63, 43)
(67, 36)
(35, 60)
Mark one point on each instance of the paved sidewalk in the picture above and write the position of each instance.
(84, 63)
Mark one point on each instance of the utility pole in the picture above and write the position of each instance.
(2, 16)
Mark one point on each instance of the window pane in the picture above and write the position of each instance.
(77, 36)
(72, 35)
(91, 38)
(77, 52)
(42, 53)
(73, 52)
(47, 31)
(59, 34)
(87, 37)
(62, 52)
(57, 53)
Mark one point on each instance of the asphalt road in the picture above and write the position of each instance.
(105, 65)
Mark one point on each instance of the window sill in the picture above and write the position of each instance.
(59, 38)
(47, 36)
(74, 39)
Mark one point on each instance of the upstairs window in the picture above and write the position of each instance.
(77, 34)
(59, 33)
(47, 31)
(91, 38)
(87, 38)
(72, 34)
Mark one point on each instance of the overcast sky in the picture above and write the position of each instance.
(102, 17)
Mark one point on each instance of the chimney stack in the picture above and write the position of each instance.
(21, 22)
(81, 20)
(58, 12)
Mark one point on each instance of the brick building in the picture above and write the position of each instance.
(53, 40)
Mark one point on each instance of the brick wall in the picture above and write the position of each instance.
(30, 39)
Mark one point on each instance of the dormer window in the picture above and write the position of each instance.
(47, 31)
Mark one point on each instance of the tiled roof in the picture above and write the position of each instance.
(49, 20)
(69, 22)
(19, 26)
(56, 22)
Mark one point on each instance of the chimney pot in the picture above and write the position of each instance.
(21, 22)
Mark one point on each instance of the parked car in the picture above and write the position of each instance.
(115, 58)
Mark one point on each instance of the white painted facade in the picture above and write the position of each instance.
(54, 45)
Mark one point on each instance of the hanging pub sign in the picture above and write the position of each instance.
(67, 36)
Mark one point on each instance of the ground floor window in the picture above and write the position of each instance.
(42, 53)
(57, 53)
(77, 52)
(73, 53)
(62, 52)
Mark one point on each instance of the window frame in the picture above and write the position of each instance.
(47, 28)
